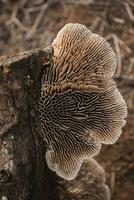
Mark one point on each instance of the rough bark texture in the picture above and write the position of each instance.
(21, 164)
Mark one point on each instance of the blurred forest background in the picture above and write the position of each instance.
(29, 24)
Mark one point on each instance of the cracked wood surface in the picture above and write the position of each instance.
(20, 151)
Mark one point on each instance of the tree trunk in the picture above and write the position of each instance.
(22, 155)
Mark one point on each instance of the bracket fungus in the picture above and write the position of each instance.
(80, 106)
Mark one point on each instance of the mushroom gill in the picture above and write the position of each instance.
(90, 184)
(80, 106)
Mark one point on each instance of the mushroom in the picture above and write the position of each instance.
(80, 106)
(89, 184)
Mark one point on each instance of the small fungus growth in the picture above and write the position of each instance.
(80, 106)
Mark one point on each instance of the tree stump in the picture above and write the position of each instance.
(21, 163)
(24, 174)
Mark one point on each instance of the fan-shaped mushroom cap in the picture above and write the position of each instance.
(88, 185)
(82, 60)
(80, 106)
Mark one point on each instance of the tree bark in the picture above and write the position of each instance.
(22, 154)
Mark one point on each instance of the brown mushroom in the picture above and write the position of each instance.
(80, 105)
(90, 184)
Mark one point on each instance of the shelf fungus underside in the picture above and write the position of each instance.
(80, 106)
